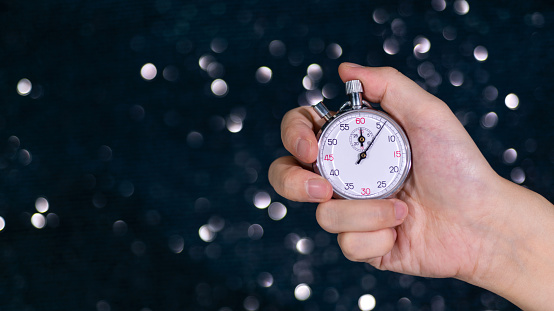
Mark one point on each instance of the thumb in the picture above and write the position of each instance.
(401, 97)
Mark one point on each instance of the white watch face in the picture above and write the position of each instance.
(364, 154)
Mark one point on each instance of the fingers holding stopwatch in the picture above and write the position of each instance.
(292, 181)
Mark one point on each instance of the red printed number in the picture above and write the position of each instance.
(397, 154)
(365, 191)
(360, 120)
(328, 157)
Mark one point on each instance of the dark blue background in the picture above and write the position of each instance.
(108, 146)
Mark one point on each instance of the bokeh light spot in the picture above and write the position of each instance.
(170, 73)
(490, 93)
(52, 220)
(511, 101)
(509, 156)
(517, 175)
(119, 228)
(41, 205)
(195, 140)
(456, 78)
(219, 45)
(438, 5)
(25, 157)
(38, 220)
(315, 72)
(305, 246)
(148, 71)
(204, 61)
(262, 199)
(307, 83)
(251, 303)
(265, 279)
(461, 7)
(380, 16)
(489, 120)
(422, 45)
(480, 53)
(391, 46)
(277, 48)
(330, 91)
(264, 74)
(366, 302)
(334, 51)
(24, 87)
(233, 125)
(176, 244)
(255, 232)
(219, 87)
(277, 211)
(206, 234)
(302, 292)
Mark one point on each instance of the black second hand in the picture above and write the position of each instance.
(370, 144)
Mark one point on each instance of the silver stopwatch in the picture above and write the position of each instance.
(363, 152)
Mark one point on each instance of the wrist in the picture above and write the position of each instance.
(517, 248)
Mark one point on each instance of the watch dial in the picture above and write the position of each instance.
(360, 138)
(364, 154)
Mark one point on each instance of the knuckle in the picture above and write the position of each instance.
(350, 248)
(285, 127)
(287, 139)
(291, 184)
(281, 177)
(326, 217)
(390, 71)
(382, 216)
(287, 180)
(295, 124)
(272, 172)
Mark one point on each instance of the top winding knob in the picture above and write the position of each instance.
(354, 86)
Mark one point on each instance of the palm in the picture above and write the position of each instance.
(438, 236)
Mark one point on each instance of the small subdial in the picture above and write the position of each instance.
(359, 138)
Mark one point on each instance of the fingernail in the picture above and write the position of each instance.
(317, 188)
(303, 149)
(400, 209)
(352, 65)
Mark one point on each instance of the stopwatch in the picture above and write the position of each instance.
(362, 151)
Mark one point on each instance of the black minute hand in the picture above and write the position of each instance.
(363, 155)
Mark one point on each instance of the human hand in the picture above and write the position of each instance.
(449, 220)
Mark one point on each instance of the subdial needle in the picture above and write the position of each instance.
(361, 138)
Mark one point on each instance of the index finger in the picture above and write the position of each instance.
(298, 130)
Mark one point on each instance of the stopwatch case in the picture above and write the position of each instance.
(404, 176)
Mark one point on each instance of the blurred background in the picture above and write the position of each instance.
(135, 138)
